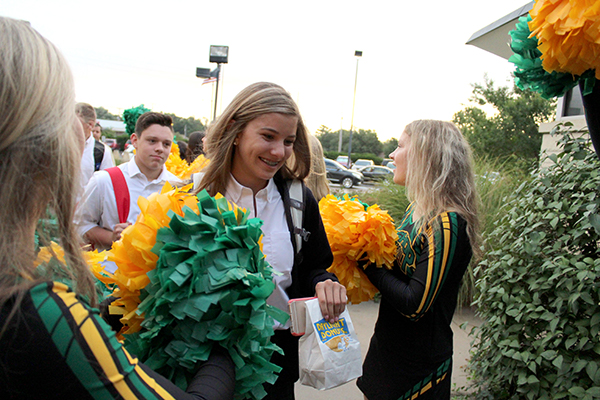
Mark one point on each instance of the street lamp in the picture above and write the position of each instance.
(218, 55)
(358, 55)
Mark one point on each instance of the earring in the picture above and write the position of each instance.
(235, 142)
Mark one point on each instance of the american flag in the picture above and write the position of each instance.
(209, 80)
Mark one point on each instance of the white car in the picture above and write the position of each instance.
(360, 163)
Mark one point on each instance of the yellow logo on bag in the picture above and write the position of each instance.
(336, 336)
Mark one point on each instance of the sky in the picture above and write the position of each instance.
(415, 62)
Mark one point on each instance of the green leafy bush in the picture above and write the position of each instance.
(540, 293)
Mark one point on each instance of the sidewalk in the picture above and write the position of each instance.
(364, 316)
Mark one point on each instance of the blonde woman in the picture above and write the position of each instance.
(53, 344)
(317, 179)
(250, 148)
(410, 354)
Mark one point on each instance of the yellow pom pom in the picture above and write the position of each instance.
(568, 33)
(356, 234)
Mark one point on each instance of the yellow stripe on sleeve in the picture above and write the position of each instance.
(101, 351)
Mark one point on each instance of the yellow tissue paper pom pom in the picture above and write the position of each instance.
(180, 168)
(356, 234)
(133, 252)
(568, 33)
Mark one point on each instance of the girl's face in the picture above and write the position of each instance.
(262, 148)
(399, 158)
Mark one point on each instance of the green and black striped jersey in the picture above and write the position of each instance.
(56, 346)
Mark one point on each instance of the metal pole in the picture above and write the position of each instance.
(217, 90)
(352, 120)
(340, 138)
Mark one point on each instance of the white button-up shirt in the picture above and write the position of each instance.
(98, 206)
(277, 245)
(87, 161)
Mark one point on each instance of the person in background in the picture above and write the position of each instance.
(410, 354)
(53, 344)
(97, 131)
(317, 180)
(97, 217)
(195, 146)
(182, 149)
(91, 162)
(250, 146)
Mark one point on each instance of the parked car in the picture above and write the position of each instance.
(376, 173)
(343, 160)
(112, 143)
(385, 161)
(362, 163)
(127, 144)
(336, 172)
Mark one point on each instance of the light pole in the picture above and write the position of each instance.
(218, 54)
(358, 55)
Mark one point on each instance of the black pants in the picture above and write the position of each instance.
(283, 388)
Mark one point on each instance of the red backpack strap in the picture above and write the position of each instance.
(121, 192)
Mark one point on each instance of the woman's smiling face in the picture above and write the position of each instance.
(262, 148)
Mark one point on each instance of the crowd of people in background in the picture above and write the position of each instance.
(54, 344)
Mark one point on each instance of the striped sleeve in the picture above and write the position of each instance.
(90, 349)
(413, 294)
(435, 261)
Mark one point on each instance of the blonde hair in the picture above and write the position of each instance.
(253, 101)
(440, 174)
(317, 179)
(39, 158)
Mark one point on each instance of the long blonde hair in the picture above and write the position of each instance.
(253, 101)
(317, 179)
(40, 155)
(440, 174)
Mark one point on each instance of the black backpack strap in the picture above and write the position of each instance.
(297, 231)
(296, 190)
(98, 154)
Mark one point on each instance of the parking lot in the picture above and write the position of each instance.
(363, 187)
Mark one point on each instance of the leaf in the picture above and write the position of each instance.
(577, 391)
(549, 354)
(595, 222)
(591, 369)
(558, 362)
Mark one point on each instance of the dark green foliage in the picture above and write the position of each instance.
(512, 133)
(121, 140)
(185, 126)
(540, 290)
(389, 197)
(103, 113)
(109, 133)
(389, 146)
(363, 141)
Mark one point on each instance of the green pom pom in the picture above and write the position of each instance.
(209, 288)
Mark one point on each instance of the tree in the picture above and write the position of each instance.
(363, 141)
(389, 146)
(513, 131)
(103, 113)
(185, 126)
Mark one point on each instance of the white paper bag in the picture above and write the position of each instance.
(329, 353)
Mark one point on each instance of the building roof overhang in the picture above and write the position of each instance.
(494, 37)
